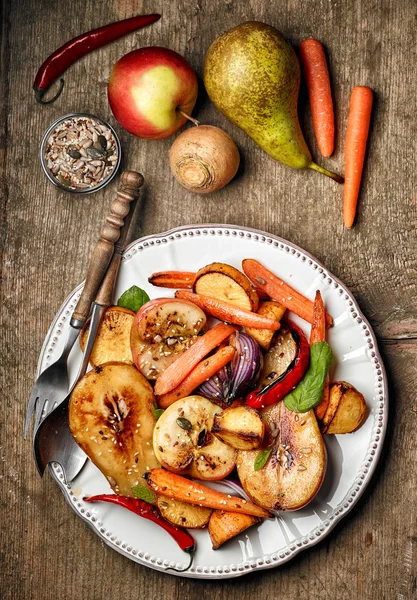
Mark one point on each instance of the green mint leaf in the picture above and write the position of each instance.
(144, 493)
(157, 412)
(309, 391)
(261, 458)
(133, 298)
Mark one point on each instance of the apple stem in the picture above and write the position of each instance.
(334, 176)
(196, 123)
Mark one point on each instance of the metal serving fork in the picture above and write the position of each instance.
(52, 385)
(53, 441)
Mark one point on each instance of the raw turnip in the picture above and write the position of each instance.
(204, 159)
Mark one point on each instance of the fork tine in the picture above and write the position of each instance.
(40, 409)
(32, 404)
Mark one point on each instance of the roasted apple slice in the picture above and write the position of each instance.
(110, 416)
(163, 329)
(294, 471)
(240, 427)
(346, 410)
(183, 514)
(226, 283)
(183, 442)
(224, 525)
(272, 310)
(112, 342)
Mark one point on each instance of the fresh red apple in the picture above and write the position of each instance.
(147, 90)
(162, 329)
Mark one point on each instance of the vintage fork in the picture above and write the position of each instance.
(51, 387)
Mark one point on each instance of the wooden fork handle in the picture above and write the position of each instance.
(112, 238)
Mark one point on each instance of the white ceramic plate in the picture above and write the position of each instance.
(351, 458)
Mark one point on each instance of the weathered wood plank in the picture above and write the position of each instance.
(47, 237)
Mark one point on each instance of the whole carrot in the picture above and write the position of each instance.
(313, 60)
(355, 147)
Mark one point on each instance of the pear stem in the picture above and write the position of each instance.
(196, 123)
(334, 176)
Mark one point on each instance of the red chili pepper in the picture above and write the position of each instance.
(280, 387)
(67, 54)
(149, 511)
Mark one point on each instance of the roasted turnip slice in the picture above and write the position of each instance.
(182, 514)
(279, 357)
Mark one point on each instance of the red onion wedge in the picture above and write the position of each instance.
(239, 376)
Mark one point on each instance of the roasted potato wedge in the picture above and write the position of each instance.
(183, 442)
(240, 427)
(348, 409)
(113, 337)
(110, 416)
(225, 525)
(295, 469)
(226, 283)
(182, 514)
(272, 310)
(335, 393)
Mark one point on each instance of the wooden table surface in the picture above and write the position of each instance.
(47, 552)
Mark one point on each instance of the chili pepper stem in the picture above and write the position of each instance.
(196, 123)
(39, 93)
(191, 552)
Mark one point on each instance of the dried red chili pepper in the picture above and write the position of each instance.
(280, 387)
(66, 55)
(150, 512)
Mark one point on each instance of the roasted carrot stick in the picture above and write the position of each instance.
(229, 312)
(318, 334)
(205, 369)
(280, 291)
(174, 486)
(318, 327)
(313, 61)
(173, 279)
(185, 363)
(183, 280)
(359, 118)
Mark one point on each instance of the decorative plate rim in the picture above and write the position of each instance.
(376, 439)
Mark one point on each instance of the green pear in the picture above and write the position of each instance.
(252, 75)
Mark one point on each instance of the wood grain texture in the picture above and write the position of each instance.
(47, 237)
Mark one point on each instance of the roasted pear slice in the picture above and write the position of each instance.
(224, 525)
(240, 427)
(112, 342)
(272, 310)
(295, 469)
(162, 330)
(226, 283)
(182, 514)
(183, 442)
(110, 416)
(346, 410)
